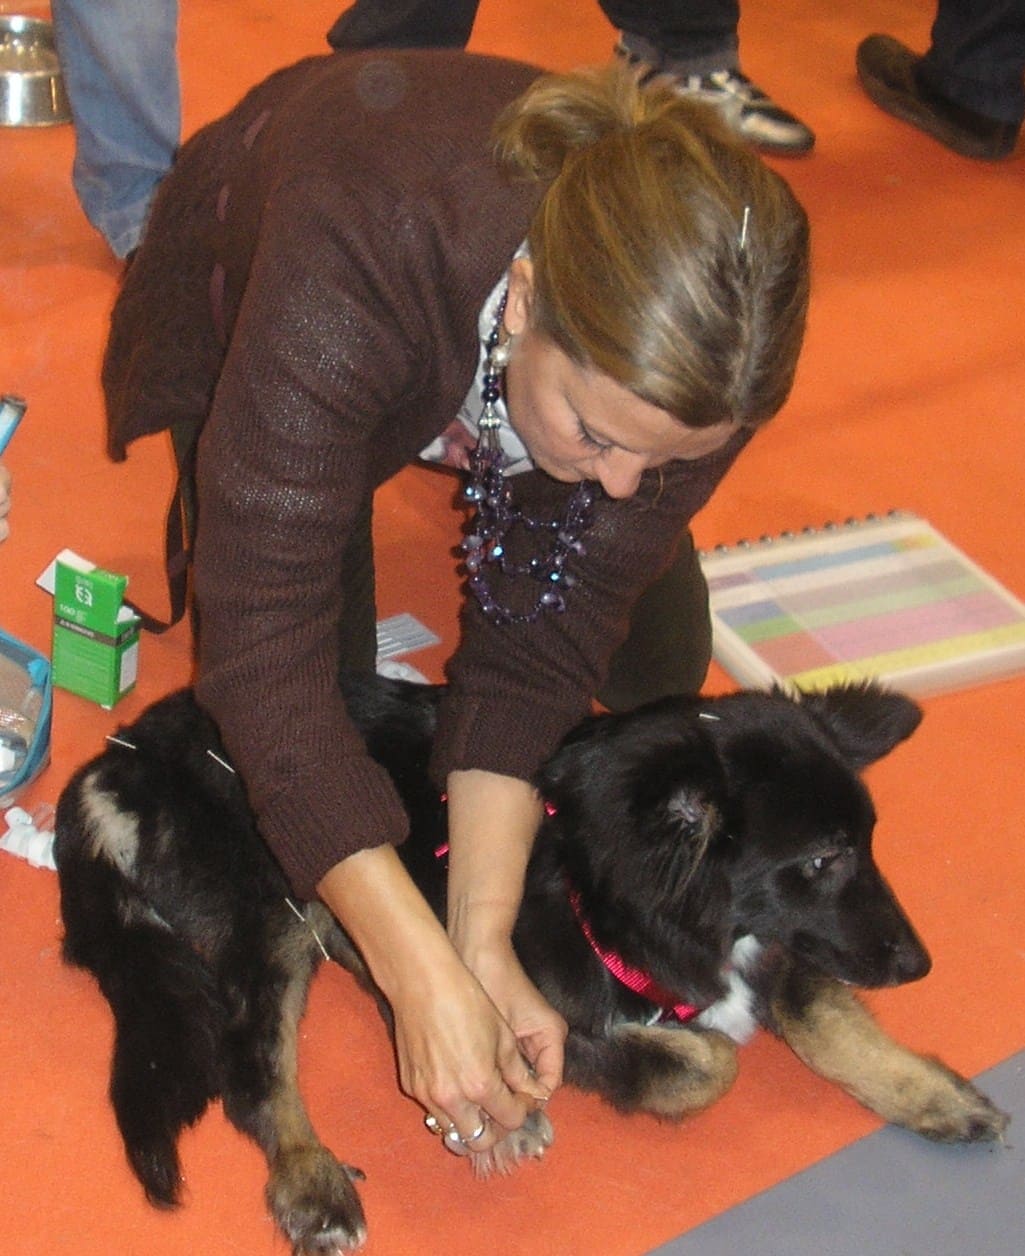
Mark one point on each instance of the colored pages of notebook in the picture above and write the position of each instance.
(887, 599)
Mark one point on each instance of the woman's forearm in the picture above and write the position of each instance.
(493, 820)
(387, 917)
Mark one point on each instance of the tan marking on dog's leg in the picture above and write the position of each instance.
(337, 943)
(837, 1038)
(702, 1067)
(309, 1192)
(292, 1126)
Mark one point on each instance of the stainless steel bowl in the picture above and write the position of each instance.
(31, 84)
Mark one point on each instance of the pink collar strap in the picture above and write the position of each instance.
(633, 978)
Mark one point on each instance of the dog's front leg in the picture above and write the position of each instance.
(829, 1028)
(667, 1071)
(309, 1192)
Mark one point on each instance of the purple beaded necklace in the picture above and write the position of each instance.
(497, 515)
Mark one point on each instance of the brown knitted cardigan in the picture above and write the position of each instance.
(310, 283)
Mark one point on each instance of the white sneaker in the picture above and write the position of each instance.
(748, 111)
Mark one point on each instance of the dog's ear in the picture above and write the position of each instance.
(677, 794)
(696, 820)
(641, 795)
(864, 721)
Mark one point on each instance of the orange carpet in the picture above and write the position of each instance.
(910, 394)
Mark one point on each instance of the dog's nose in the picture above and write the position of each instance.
(910, 962)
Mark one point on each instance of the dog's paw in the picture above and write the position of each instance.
(529, 1142)
(312, 1198)
(957, 1112)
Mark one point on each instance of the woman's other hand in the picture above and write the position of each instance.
(540, 1031)
(493, 821)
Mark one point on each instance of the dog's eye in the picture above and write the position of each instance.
(818, 864)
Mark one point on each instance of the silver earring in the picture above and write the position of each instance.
(498, 359)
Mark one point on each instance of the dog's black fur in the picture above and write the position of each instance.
(723, 846)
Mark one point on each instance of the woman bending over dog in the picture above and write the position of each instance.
(578, 290)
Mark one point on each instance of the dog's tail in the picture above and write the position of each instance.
(168, 1019)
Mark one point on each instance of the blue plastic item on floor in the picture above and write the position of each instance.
(26, 706)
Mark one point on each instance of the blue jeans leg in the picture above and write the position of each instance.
(119, 59)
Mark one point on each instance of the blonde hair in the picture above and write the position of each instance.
(666, 254)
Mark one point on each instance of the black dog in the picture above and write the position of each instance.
(705, 867)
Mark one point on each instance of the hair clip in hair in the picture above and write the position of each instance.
(742, 239)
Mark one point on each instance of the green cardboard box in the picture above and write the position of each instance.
(95, 636)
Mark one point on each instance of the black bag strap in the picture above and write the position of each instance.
(179, 532)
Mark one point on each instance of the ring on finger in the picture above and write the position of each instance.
(479, 1131)
(454, 1142)
(451, 1137)
(460, 1144)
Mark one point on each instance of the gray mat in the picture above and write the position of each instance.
(890, 1194)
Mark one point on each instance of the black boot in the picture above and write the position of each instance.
(889, 73)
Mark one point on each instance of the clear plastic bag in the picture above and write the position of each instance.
(25, 712)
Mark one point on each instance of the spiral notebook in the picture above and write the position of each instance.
(885, 598)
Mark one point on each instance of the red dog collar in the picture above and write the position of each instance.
(633, 978)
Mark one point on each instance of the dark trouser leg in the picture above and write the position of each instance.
(670, 642)
(977, 57)
(702, 32)
(404, 24)
(357, 632)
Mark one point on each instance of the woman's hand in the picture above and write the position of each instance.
(5, 503)
(540, 1031)
(461, 1060)
(456, 1054)
(492, 823)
